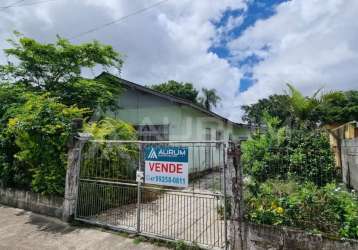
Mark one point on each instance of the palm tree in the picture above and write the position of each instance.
(302, 107)
(209, 98)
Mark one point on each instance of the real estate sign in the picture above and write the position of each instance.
(166, 166)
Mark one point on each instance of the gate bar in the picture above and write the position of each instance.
(148, 142)
(139, 197)
(225, 197)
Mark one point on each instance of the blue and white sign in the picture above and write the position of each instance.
(166, 166)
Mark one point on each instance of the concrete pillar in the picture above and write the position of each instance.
(75, 146)
(238, 229)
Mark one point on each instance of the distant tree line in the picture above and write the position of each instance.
(295, 109)
(208, 98)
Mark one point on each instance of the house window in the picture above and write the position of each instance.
(208, 134)
(153, 132)
(219, 137)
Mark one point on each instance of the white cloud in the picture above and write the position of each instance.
(170, 41)
(312, 44)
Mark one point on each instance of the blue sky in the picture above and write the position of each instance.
(257, 10)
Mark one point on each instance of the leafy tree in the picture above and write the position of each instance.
(10, 96)
(41, 91)
(179, 89)
(296, 110)
(338, 107)
(274, 105)
(209, 98)
(302, 107)
(56, 68)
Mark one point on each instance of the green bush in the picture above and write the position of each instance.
(329, 209)
(281, 153)
(33, 144)
(116, 161)
(107, 161)
(290, 180)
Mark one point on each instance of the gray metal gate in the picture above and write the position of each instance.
(109, 195)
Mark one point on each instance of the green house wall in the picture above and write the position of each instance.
(185, 124)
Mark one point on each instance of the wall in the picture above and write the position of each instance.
(350, 162)
(51, 206)
(262, 237)
(185, 124)
(140, 108)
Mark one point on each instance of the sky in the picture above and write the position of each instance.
(245, 49)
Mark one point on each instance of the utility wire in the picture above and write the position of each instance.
(11, 5)
(17, 4)
(118, 20)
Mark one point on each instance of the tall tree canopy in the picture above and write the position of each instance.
(182, 90)
(295, 109)
(274, 105)
(41, 91)
(56, 68)
(338, 107)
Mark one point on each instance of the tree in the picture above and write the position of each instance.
(338, 107)
(296, 110)
(41, 91)
(274, 105)
(209, 98)
(179, 89)
(302, 108)
(56, 68)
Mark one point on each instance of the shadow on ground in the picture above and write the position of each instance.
(46, 224)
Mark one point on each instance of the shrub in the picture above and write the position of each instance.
(329, 209)
(33, 144)
(107, 161)
(110, 160)
(281, 153)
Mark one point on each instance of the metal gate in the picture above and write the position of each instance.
(109, 194)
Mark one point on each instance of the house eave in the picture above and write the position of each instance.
(171, 98)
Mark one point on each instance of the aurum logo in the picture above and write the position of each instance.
(152, 154)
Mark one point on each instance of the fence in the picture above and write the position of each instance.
(297, 188)
(349, 150)
(110, 194)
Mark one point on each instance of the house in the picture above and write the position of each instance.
(162, 117)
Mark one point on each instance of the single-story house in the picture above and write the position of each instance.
(158, 116)
(162, 117)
